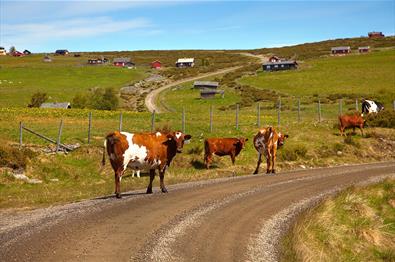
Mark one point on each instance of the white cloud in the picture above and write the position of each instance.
(28, 34)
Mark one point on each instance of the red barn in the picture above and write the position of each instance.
(17, 53)
(156, 64)
(375, 34)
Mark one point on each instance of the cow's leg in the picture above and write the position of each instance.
(151, 179)
(258, 164)
(274, 159)
(138, 173)
(361, 128)
(162, 183)
(208, 159)
(118, 177)
(133, 172)
(233, 157)
(268, 162)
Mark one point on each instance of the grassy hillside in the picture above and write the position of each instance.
(362, 76)
(357, 225)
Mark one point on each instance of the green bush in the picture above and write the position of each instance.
(292, 153)
(101, 99)
(37, 99)
(385, 118)
(80, 101)
(350, 141)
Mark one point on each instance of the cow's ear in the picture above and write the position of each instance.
(187, 137)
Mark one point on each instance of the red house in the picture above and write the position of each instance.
(375, 34)
(17, 53)
(156, 64)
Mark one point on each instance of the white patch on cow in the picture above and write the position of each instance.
(178, 135)
(158, 134)
(260, 144)
(135, 156)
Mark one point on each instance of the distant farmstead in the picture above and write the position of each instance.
(123, 62)
(205, 85)
(340, 50)
(17, 53)
(185, 62)
(156, 64)
(3, 51)
(274, 59)
(281, 65)
(27, 52)
(363, 49)
(64, 105)
(97, 61)
(61, 52)
(47, 59)
(375, 34)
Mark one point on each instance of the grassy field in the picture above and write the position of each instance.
(62, 79)
(357, 225)
(362, 76)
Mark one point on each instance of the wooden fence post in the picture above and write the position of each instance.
(356, 104)
(120, 122)
(211, 118)
(59, 135)
(237, 116)
(279, 111)
(20, 134)
(183, 120)
(258, 115)
(319, 110)
(89, 127)
(298, 110)
(340, 107)
(393, 102)
(153, 121)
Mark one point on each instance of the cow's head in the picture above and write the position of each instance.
(179, 139)
(281, 139)
(241, 142)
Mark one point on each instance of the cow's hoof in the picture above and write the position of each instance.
(273, 171)
(255, 172)
(149, 190)
(268, 172)
(118, 195)
(164, 190)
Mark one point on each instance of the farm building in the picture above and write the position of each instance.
(185, 62)
(61, 52)
(210, 93)
(205, 85)
(17, 53)
(281, 65)
(274, 59)
(363, 49)
(27, 52)
(47, 59)
(375, 34)
(123, 61)
(3, 51)
(64, 105)
(340, 50)
(156, 64)
(97, 61)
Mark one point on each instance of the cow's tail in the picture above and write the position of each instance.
(206, 148)
(103, 161)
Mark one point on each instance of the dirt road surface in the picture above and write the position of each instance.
(151, 98)
(238, 218)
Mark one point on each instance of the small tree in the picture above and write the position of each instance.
(80, 101)
(104, 99)
(37, 99)
(12, 50)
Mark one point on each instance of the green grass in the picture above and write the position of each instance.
(61, 80)
(364, 76)
(357, 225)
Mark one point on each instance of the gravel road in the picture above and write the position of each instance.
(229, 219)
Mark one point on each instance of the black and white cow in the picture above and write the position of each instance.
(370, 106)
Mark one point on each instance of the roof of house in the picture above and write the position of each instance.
(340, 48)
(363, 47)
(121, 60)
(56, 105)
(186, 60)
(287, 62)
(61, 51)
(206, 83)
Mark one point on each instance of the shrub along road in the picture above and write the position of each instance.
(229, 219)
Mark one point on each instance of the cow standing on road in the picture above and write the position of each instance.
(222, 147)
(266, 143)
(142, 151)
(351, 121)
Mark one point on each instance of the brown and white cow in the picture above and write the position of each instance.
(222, 147)
(149, 151)
(351, 121)
(266, 143)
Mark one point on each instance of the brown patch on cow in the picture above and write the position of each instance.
(222, 147)
(351, 121)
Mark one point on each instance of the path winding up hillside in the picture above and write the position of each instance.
(231, 219)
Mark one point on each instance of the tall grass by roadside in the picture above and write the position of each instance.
(357, 225)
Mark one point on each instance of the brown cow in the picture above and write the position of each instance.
(222, 147)
(142, 151)
(266, 143)
(351, 121)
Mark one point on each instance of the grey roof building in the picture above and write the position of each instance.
(205, 84)
(64, 105)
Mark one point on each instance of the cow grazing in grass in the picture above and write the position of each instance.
(266, 143)
(351, 121)
(142, 151)
(370, 106)
(222, 147)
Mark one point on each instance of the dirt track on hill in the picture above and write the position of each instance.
(228, 219)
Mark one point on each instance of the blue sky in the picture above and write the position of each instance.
(43, 26)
